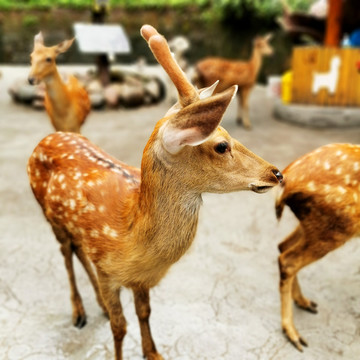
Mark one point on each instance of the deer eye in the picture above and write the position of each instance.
(48, 59)
(222, 147)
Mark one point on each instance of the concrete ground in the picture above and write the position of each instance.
(220, 301)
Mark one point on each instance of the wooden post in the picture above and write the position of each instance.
(334, 22)
(99, 13)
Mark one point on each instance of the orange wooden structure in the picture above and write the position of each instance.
(308, 61)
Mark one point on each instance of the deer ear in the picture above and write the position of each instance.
(268, 37)
(64, 46)
(38, 39)
(195, 123)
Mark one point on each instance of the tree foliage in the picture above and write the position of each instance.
(262, 7)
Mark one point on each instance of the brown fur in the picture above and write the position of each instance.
(235, 72)
(322, 189)
(133, 225)
(67, 104)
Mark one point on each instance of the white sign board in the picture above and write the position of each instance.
(101, 39)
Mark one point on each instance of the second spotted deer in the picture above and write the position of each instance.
(322, 189)
(134, 224)
(235, 72)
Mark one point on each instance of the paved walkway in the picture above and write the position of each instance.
(220, 301)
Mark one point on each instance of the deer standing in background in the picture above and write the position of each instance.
(67, 104)
(322, 189)
(131, 224)
(232, 72)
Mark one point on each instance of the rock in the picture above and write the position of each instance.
(97, 100)
(154, 90)
(22, 91)
(94, 86)
(112, 93)
(132, 95)
(38, 104)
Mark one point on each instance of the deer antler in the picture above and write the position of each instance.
(161, 51)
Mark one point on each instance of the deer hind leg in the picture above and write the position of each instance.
(243, 112)
(111, 298)
(307, 249)
(300, 300)
(92, 276)
(66, 247)
(142, 306)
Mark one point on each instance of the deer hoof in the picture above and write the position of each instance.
(79, 321)
(297, 341)
(311, 307)
(153, 356)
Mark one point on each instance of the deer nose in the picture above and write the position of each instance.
(31, 80)
(278, 175)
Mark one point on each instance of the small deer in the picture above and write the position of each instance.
(67, 104)
(232, 72)
(134, 224)
(322, 189)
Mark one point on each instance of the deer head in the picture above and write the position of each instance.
(207, 158)
(43, 58)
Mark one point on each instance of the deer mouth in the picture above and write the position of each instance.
(260, 189)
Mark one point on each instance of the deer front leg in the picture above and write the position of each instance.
(111, 298)
(78, 311)
(142, 306)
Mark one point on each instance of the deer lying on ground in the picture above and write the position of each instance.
(232, 72)
(131, 224)
(67, 104)
(322, 189)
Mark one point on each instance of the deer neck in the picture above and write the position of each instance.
(170, 212)
(255, 61)
(57, 93)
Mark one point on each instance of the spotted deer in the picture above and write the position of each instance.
(322, 189)
(67, 104)
(235, 72)
(134, 224)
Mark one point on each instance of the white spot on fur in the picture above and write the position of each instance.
(102, 208)
(347, 179)
(355, 196)
(311, 186)
(327, 165)
(94, 233)
(61, 177)
(356, 166)
(341, 190)
(338, 171)
(344, 157)
(72, 204)
(107, 230)
(338, 153)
